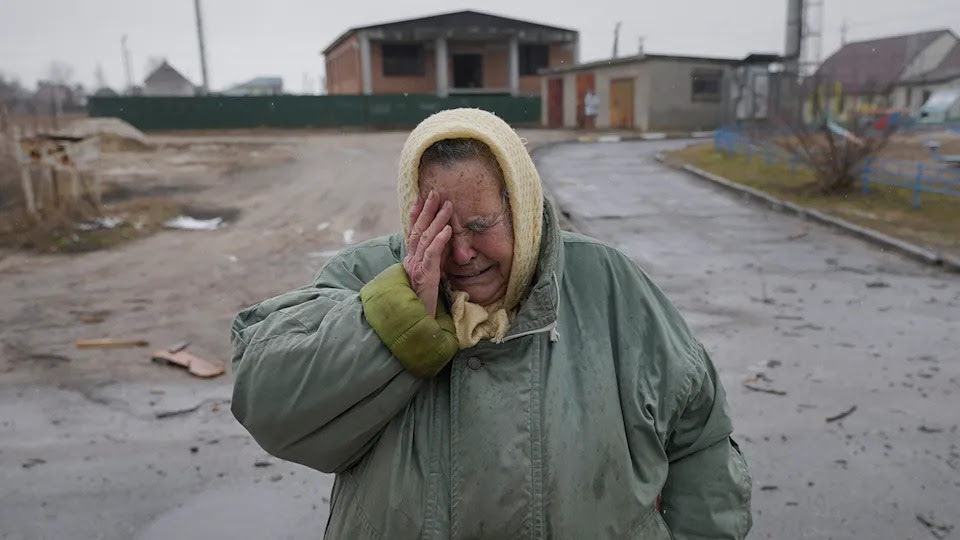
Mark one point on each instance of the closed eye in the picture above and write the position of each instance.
(479, 226)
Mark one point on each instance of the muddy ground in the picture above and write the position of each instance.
(106, 444)
(83, 453)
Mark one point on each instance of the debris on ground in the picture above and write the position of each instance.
(100, 223)
(769, 488)
(178, 356)
(193, 224)
(842, 415)
(276, 478)
(928, 429)
(180, 412)
(32, 462)
(939, 530)
(877, 285)
(177, 347)
(115, 134)
(765, 390)
(262, 464)
(348, 236)
(110, 343)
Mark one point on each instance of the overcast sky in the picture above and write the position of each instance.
(247, 38)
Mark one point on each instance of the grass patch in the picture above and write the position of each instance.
(936, 224)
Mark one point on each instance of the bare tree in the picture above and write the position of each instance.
(833, 152)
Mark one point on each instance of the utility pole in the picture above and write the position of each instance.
(640, 48)
(843, 33)
(203, 52)
(128, 71)
(616, 38)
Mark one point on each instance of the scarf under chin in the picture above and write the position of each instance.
(473, 321)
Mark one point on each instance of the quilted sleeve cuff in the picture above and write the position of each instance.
(421, 343)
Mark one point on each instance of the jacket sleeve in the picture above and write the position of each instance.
(708, 487)
(315, 383)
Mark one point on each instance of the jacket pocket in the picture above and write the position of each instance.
(652, 527)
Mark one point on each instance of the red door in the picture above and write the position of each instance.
(585, 83)
(555, 102)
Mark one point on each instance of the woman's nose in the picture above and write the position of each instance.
(462, 249)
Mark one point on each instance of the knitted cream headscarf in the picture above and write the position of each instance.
(475, 322)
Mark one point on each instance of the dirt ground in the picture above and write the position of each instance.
(910, 146)
(83, 453)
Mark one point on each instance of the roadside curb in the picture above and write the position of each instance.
(864, 233)
(651, 136)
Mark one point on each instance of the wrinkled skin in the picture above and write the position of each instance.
(461, 232)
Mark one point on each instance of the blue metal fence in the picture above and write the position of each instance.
(915, 176)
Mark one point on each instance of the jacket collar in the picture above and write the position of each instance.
(539, 309)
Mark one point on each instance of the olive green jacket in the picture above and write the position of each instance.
(599, 407)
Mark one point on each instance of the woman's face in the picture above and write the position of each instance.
(480, 253)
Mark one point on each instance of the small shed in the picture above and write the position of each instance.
(647, 92)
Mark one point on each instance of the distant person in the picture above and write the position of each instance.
(486, 375)
(591, 107)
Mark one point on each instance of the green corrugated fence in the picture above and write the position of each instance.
(232, 112)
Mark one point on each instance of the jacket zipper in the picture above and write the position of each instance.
(552, 327)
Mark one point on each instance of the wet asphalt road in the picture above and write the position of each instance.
(825, 321)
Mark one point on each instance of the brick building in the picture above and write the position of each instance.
(466, 52)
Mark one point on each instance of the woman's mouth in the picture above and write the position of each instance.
(473, 276)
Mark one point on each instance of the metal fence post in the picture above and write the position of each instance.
(917, 186)
(865, 176)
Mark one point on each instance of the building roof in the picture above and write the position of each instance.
(873, 66)
(105, 91)
(947, 70)
(762, 58)
(457, 19)
(261, 82)
(165, 74)
(256, 83)
(636, 59)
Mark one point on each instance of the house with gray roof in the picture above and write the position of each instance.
(165, 81)
(258, 86)
(890, 72)
(914, 92)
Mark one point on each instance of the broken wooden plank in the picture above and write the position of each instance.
(110, 343)
(197, 366)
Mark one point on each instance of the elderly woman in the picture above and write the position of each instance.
(486, 375)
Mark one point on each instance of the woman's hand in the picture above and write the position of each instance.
(429, 234)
